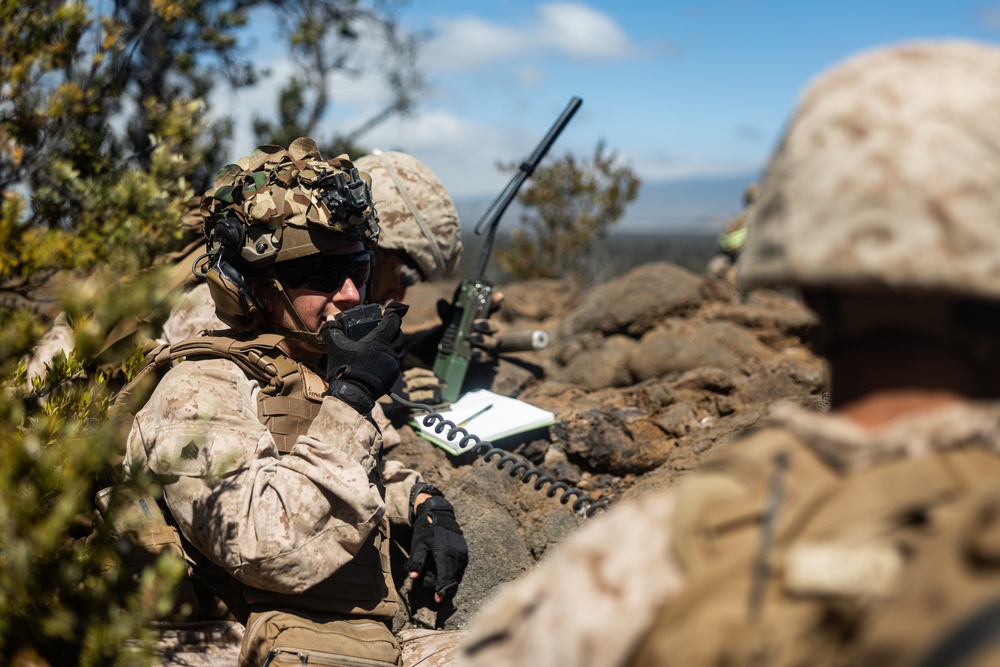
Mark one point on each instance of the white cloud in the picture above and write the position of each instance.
(463, 153)
(468, 42)
(570, 29)
(460, 151)
(354, 98)
(654, 168)
(355, 95)
(243, 105)
(582, 32)
(439, 139)
(532, 77)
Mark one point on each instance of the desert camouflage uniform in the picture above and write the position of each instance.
(57, 340)
(419, 221)
(281, 523)
(589, 602)
(193, 314)
(595, 600)
(279, 492)
(273, 485)
(416, 214)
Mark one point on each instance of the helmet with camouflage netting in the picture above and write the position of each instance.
(274, 206)
(887, 180)
(416, 214)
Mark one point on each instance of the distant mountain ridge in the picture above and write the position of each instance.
(695, 205)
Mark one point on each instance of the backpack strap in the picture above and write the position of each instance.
(255, 356)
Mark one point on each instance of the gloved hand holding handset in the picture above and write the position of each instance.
(360, 370)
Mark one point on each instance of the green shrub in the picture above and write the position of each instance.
(65, 596)
(570, 205)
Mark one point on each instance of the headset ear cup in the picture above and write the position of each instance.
(229, 236)
(235, 304)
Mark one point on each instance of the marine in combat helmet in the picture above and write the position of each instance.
(264, 436)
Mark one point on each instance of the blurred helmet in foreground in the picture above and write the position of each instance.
(887, 179)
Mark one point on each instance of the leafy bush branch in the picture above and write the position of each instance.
(570, 205)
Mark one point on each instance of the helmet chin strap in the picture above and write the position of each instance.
(301, 331)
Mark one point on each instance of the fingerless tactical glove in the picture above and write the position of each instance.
(359, 371)
(437, 534)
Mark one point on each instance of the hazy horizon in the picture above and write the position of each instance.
(620, 252)
(695, 205)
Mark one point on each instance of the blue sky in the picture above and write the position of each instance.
(683, 91)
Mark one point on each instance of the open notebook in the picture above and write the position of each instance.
(487, 415)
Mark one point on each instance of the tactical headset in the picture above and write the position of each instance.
(235, 302)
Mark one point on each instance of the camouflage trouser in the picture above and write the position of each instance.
(429, 648)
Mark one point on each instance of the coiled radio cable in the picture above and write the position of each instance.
(519, 468)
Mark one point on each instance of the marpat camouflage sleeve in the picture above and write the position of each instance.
(398, 479)
(278, 523)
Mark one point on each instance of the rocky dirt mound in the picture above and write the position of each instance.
(647, 375)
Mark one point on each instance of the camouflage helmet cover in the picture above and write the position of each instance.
(277, 205)
(416, 214)
(887, 178)
(273, 206)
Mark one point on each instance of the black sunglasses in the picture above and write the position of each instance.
(326, 273)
